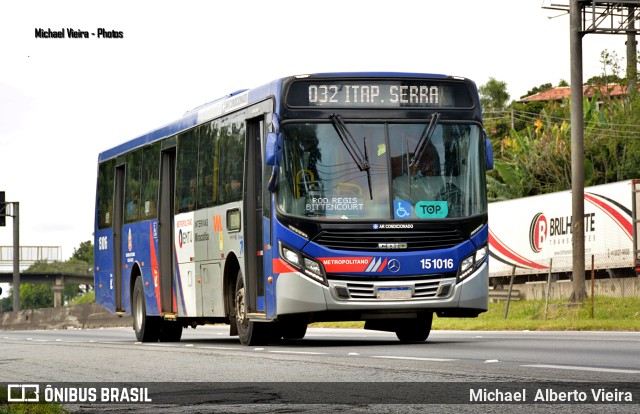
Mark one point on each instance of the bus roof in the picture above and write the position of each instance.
(241, 98)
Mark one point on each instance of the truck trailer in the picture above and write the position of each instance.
(533, 235)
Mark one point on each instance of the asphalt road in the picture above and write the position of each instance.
(346, 370)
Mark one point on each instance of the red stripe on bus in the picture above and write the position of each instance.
(280, 266)
(155, 271)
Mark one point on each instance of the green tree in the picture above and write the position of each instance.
(494, 95)
(84, 252)
(6, 303)
(538, 89)
(612, 139)
(611, 70)
(32, 296)
(36, 295)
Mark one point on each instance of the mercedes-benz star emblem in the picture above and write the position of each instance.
(393, 265)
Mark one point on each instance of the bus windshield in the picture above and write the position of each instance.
(321, 178)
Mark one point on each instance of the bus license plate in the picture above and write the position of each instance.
(394, 292)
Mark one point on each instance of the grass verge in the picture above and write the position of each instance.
(27, 408)
(609, 314)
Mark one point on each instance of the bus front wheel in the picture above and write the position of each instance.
(293, 328)
(415, 330)
(249, 332)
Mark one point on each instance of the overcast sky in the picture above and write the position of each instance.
(62, 101)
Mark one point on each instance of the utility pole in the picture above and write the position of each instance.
(591, 17)
(632, 53)
(577, 153)
(12, 209)
(16, 256)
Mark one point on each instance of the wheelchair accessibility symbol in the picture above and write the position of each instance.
(402, 209)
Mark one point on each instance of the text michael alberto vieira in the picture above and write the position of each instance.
(593, 395)
(69, 33)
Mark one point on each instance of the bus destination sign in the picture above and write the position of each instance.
(382, 94)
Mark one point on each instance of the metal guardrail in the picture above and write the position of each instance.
(502, 294)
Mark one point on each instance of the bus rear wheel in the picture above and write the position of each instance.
(170, 331)
(147, 328)
(250, 333)
(415, 330)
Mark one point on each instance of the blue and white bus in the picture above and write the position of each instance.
(325, 197)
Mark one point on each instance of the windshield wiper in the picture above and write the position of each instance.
(425, 138)
(361, 159)
(349, 143)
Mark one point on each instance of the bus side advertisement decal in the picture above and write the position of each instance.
(154, 264)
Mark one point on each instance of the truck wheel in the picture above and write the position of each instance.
(147, 328)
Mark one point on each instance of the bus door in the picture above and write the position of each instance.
(165, 229)
(118, 219)
(254, 234)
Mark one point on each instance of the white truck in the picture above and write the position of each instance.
(534, 233)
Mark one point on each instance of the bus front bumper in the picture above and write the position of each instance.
(296, 293)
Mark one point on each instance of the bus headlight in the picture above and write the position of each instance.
(466, 266)
(303, 264)
(291, 256)
(481, 254)
(471, 263)
(313, 266)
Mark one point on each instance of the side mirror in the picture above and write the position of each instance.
(273, 149)
(488, 153)
(273, 157)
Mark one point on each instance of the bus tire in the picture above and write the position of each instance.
(250, 333)
(415, 330)
(293, 328)
(170, 331)
(147, 328)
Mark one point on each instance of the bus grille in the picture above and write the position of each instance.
(423, 288)
(367, 240)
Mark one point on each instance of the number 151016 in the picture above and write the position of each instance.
(437, 264)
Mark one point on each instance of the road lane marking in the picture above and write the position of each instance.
(298, 352)
(415, 358)
(160, 345)
(219, 347)
(594, 369)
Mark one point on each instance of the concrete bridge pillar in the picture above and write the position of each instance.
(58, 287)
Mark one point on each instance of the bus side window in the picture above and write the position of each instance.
(206, 165)
(105, 194)
(186, 172)
(132, 188)
(150, 180)
(231, 153)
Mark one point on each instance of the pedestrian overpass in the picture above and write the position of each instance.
(57, 276)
